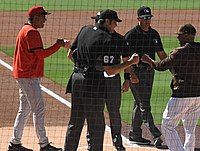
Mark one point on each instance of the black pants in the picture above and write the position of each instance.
(83, 108)
(142, 108)
(113, 103)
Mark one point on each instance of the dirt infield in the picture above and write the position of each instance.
(67, 24)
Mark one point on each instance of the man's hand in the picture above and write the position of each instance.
(67, 44)
(125, 86)
(134, 78)
(146, 59)
(64, 43)
(134, 58)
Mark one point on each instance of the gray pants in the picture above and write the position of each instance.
(31, 100)
(186, 110)
(142, 108)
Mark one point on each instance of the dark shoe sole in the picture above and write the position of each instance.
(139, 143)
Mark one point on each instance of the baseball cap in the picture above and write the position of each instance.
(109, 14)
(144, 11)
(37, 10)
(187, 29)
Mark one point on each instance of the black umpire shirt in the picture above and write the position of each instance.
(142, 42)
(96, 47)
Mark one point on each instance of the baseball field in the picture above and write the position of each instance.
(67, 17)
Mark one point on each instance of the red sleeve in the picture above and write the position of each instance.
(35, 45)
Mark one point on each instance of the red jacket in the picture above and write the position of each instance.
(29, 53)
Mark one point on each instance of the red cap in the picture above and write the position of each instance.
(37, 10)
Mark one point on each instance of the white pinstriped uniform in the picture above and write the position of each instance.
(187, 110)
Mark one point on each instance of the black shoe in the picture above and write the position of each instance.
(120, 148)
(140, 141)
(50, 148)
(158, 141)
(17, 147)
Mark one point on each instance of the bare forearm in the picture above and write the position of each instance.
(115, 69)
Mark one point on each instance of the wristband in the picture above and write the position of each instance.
(127, 76)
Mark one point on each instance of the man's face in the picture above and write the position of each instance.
(182, 38)
(110, 24)
(144, 22)
(39, 21)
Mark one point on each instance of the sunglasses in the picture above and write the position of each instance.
(146, 17)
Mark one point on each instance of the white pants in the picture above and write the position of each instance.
(187, 110)
(31, 100)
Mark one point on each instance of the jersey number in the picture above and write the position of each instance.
(108, 59)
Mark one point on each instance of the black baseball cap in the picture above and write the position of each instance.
(109, 14)
(144, 11)
(187, 29)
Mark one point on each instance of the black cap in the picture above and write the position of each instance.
(109, 14)
(97, 16)
(187, 29)
(144, 11)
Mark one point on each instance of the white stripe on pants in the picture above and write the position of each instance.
(187, 110)
(31, 100)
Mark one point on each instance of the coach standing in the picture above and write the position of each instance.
(143, 39)
(94, 57)
(184, 104)
(28, 69)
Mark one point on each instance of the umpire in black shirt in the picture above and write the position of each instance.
(113, 87)
(94, 55)
(143, 39)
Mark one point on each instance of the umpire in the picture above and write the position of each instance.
(94, 56)
(144, 39)
(113, 88)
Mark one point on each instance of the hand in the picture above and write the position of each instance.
(134, 78)
(67, 44)
(146, 59)
(63, 43)
(134, 58)
(125, 86)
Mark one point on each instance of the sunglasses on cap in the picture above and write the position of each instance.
(146, 17)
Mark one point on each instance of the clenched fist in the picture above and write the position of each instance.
(64, 43)
(134, 58)
(146, 59)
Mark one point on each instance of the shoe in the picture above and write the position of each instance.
(17, 147)
(158, 141)
(50, 148)
(120, 148)
(140, 141)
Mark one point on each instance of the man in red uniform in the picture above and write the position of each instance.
(28, 69)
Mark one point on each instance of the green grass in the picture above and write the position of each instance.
(58, 68)
(20, 5)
